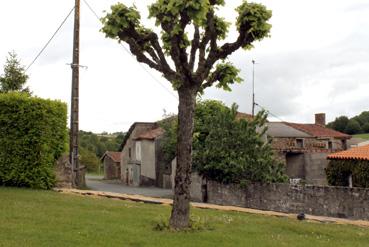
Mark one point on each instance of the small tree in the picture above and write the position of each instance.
(228, 149)
(14, 77)
(339, 123)
(353, 127)
(366, 128)
(197, 63)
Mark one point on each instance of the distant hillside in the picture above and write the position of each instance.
(92, 146)
(352, 126)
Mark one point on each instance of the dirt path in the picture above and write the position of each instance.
(146, 199)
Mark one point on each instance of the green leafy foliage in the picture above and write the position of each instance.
(100, 143)
(168, 11)
(221, 27)
(353, 127)
(121, 18)
(338, 172)
(92, 147)
(253, 18)
(228, 75)
(33, 135)
(356, 125)
(89, 159)
(365, 128)
(339, 123)
(228, 149)
(14, 77)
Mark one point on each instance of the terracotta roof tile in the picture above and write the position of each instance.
(246, 116)
(317, 130)
(151, 134)
(356, 153)
(115, 156)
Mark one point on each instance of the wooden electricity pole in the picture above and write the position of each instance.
(253, 87)
(74, 118)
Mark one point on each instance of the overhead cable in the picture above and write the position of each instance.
(49, 41)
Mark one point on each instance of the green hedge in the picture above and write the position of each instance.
(338, 172)
(33, 135)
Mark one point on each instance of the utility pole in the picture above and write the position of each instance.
(74, 114)
(253, 87)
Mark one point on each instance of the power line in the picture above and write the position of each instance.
(269, 112)
(49, 41)
(128, 52)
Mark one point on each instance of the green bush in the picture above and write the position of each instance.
(33, 135)
(338, 172)
(227, 149)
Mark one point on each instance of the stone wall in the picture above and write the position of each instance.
(310, 144)
(339, 202)
(64, 176)
(111, 168)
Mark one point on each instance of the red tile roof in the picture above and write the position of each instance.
(246, 116)
(115, 156)
(151, 134)
(317, 130)
(357, 153)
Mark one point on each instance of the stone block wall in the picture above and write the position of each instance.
(342, 202)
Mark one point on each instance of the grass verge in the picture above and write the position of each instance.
(45, 218)
(363, 136)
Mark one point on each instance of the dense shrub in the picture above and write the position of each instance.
(227, 149)
(338, 172)
(33, 135)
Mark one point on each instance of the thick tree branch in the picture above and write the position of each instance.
(159, 51)
(209, 36)
(136, 50)
(224, 51)
(194, 47)
(212, 78)
(141, 43)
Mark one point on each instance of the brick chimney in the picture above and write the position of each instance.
(320, 119)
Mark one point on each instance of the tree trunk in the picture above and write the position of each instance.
(180, 217)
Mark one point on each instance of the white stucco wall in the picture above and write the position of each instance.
(148, 168)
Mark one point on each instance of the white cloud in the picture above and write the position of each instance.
(316, 60)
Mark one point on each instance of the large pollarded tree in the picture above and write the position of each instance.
(190, 53)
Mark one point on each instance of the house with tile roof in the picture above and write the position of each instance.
(304, 147)
(355, 153)
(350, 167)
(142, 162)
(111, 162)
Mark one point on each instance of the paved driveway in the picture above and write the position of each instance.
(97, 183)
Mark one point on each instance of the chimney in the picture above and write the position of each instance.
(320, 119)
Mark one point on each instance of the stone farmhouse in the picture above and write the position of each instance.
(142, 162)
(111, 162)
(304, 147)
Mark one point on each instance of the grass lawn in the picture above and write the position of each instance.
(364, 136)
(45, 218)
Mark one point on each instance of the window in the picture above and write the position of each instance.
(330, 145)
(344, 144)
(129, 152)
(300, 143)
(138, 151)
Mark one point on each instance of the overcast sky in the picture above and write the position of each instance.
(317, 60)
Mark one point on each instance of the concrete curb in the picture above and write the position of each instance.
(163, 201)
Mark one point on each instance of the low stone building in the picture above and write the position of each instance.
(142, 162)
(304, 147)
(111, 162)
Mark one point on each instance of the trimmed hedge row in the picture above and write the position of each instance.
(338, 172)
(33, 135)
